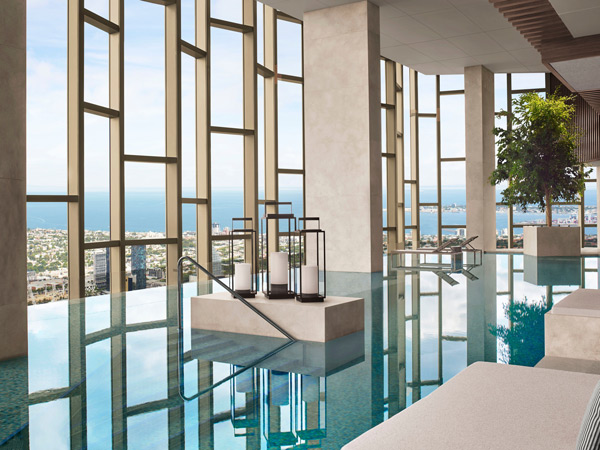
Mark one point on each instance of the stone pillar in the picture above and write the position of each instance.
(480, 153)
(342, 119)
(13, 263)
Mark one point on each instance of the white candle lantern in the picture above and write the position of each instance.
(311, 248)
(243, 278)
(278, 276)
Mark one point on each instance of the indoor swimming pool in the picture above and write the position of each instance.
(104, 372)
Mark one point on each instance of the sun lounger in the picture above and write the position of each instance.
(493, 407)
(444, 248)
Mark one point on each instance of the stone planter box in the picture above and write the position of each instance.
(552, 241)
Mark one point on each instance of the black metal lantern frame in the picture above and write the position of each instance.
(321, 263)
(278, 291)
(246, 231)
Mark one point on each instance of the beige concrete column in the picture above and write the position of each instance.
(480, 153)
(13, 263)
(342, 116)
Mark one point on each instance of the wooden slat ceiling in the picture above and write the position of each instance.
(536, 20)
(541, 25)
(586, 120)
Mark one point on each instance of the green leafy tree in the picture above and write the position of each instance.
(537, 153)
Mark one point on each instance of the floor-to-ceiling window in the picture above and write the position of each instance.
(511, 220)
(423, 135)
(150, 126)
(429, 133)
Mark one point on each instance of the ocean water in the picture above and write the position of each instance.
(145, 211)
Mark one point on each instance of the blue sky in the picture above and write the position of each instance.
(145, 96)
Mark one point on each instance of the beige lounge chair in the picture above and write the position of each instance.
(493, 407)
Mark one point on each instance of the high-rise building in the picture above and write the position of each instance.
(217, 265)
(102, 270)
(138, 266)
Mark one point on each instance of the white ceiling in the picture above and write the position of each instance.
(442, 36)
(582, 17)
(581, 74)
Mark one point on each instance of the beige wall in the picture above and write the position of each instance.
(342, 109)
(480, 154)
(13, 288)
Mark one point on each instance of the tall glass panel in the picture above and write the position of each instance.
(96, 178)
(230, 10)
(260, 33)
(227, 174)
(289, 48)
(260, 135)
(454, 197)
(227, 80)
(427, 160)
(426, 91)
(290, 128)
(291, 190)
(188, 26)
(144, 78)
(146, 267)
(145, 198)
(47, 98)
(47, 252)
(188, 126)
(97, 272)
(452, 123)
(95, 65)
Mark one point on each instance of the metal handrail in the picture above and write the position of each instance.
(224, 286)
(291, 339)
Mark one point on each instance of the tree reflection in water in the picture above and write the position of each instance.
(523, 338)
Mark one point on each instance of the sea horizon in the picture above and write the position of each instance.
(145, 210)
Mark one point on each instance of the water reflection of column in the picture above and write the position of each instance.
(377, 396)
(277, 398)
(416, 331)
(246, 415)
(395, 311)
(253, 433)
(511, 292)
(77, 399)
(440, 334)
(176, 411)
(310, 422)
(481, 312)
(401, 338)
(206, 432)
(118, 366)
(206, 429)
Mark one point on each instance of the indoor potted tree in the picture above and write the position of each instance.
(537, 157)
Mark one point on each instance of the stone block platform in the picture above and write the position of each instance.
(317, 322)
(572, 326)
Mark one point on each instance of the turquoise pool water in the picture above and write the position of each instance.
(103, 373)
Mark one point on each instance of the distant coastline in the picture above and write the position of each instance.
(145, 211)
